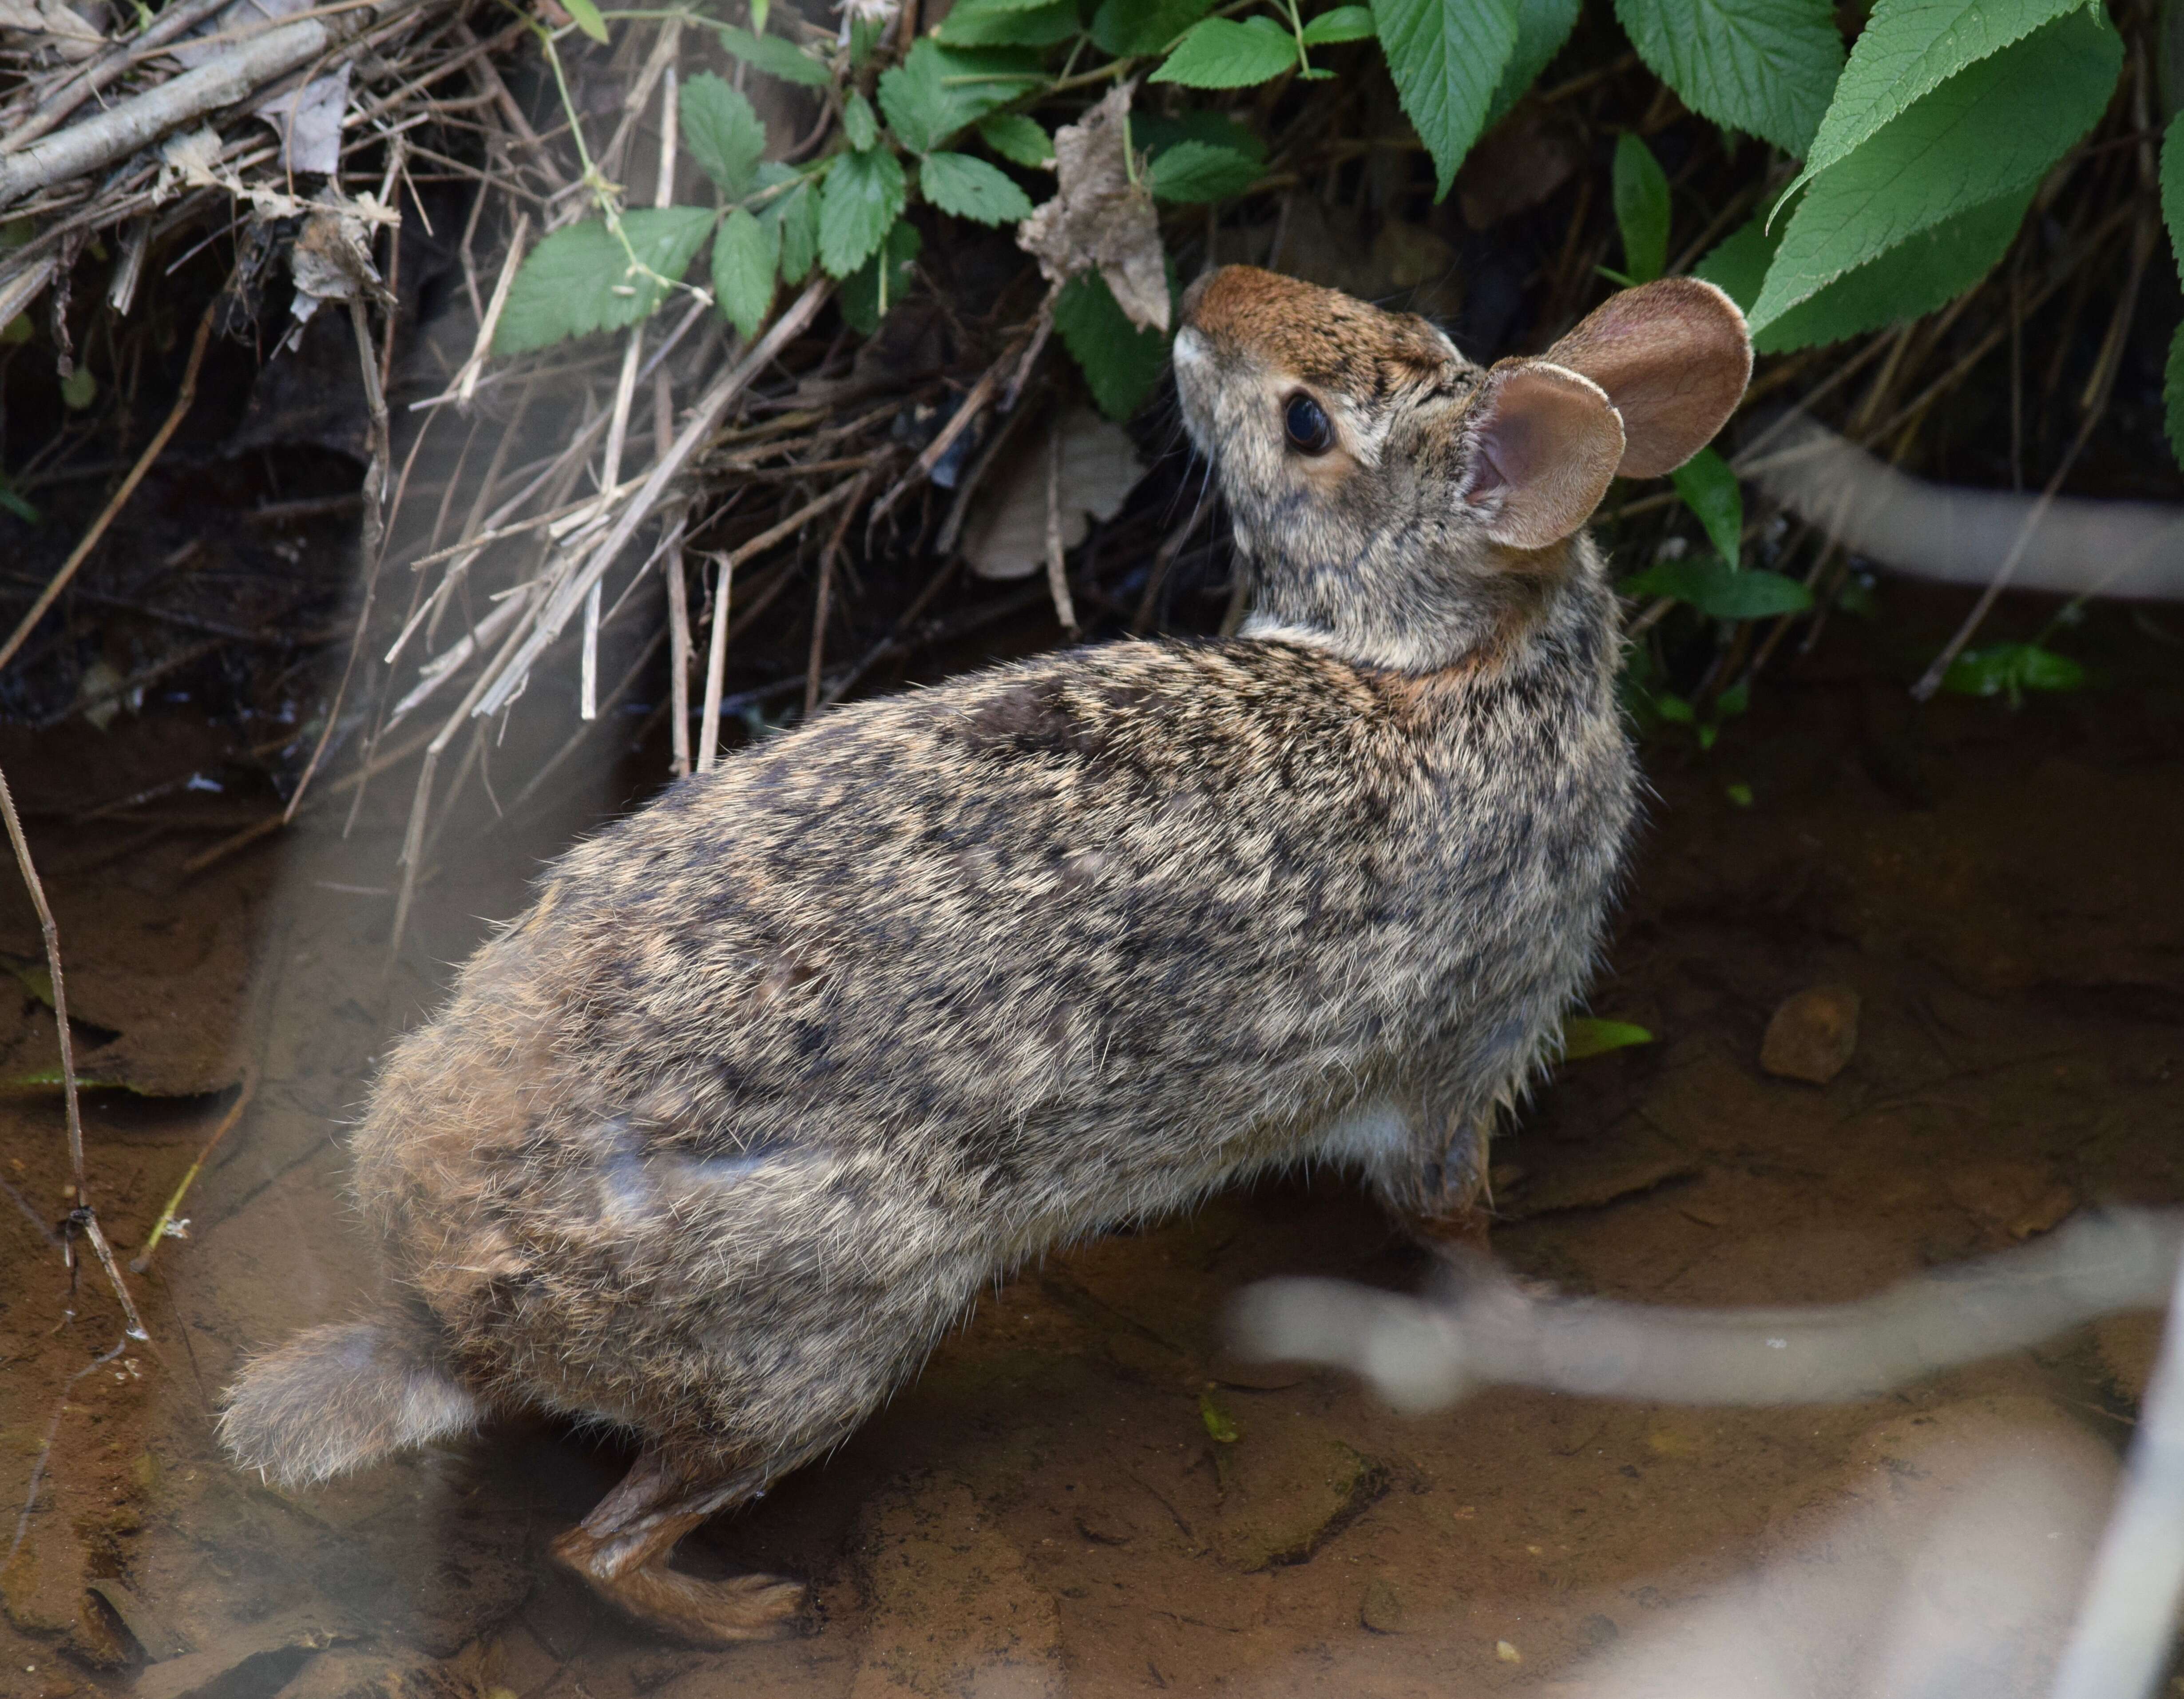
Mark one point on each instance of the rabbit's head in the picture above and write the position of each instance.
(1396, 502)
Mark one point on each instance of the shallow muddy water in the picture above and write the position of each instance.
(1047, 1510)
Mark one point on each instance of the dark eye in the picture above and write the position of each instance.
(1311, 431)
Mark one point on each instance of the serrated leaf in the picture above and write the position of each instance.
(1710, 490)
(1542, 27)
(586, 15)
(1223, 54)
(2172, 188)
(1908, 49)
(1930, 269)
(876, 285)
(863, 197)
(1641, 207)
(1198, 171)
(985, 24)
(578, 280)
(795, 215)
(1448, 60)
(1020, 139)
(1720, 591)
(1584, 1036)
(1764, 66)
(1992, 129)
(860, 125)
(971, 188)
(2011, 669)
(936, 91)
(1122, 364)
(2172, 395)
(746, 251)
(1343, 24)
(723, 133)
(775, 56)
(1123, 29)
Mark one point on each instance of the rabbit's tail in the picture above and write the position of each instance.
(336, 1398)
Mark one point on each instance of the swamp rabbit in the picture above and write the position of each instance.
(714, 1142)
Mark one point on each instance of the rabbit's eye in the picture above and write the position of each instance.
(1310, 430)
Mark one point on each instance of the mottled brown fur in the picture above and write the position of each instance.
(717, 1140)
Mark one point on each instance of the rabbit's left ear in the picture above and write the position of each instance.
(1673, 357)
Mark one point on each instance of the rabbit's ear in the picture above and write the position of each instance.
(1674, 356)
(1544, 444)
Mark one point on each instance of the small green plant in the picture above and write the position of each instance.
(1921, 148)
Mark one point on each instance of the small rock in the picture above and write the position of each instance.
(1287, 1492)
(1382, 1611)
(1506, 1652)
(1104, 1526)
(147, 1626)
(1812, 1035)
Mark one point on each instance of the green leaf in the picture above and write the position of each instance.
(2011, 669)
(1764, 66)
(2172, 395)
(1720, 591)
(1447, 57)
(1542, 27)
(723, 133)
(1197, 171)
(971, 188)
(1985, 132)
(1155, 133)
(1121, 362)
(79, 389)
(775, 56)
(1641, 207)
(936, 91)
(1223, 54)
(1932, 269)
(1710, 490)
(587, 15)
(1343, 24)
(863, 197)
(579, 279)
(1738, 267)
(14, 501)
(1123, 29)
(876, 285)
(746, 252)
(860, 127)
(1908, 49)
(1018, 138)
(988, 23)
(1215, 1420)
(796, 216)
(1583, 1037)
(2172, 187)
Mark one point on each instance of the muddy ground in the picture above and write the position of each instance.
(1047, 1511)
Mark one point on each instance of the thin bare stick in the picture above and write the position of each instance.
(473, 368)
(83, 1218)
(1057, 572)
(717, 657)
(153, 450)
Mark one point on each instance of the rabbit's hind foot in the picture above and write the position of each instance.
(620, 1550)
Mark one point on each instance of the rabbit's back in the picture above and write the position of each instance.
(780, 1069)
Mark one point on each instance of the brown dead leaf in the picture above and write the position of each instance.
(1099, 218)
(1006, 536)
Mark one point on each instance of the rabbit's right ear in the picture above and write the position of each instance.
(1544, 444)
